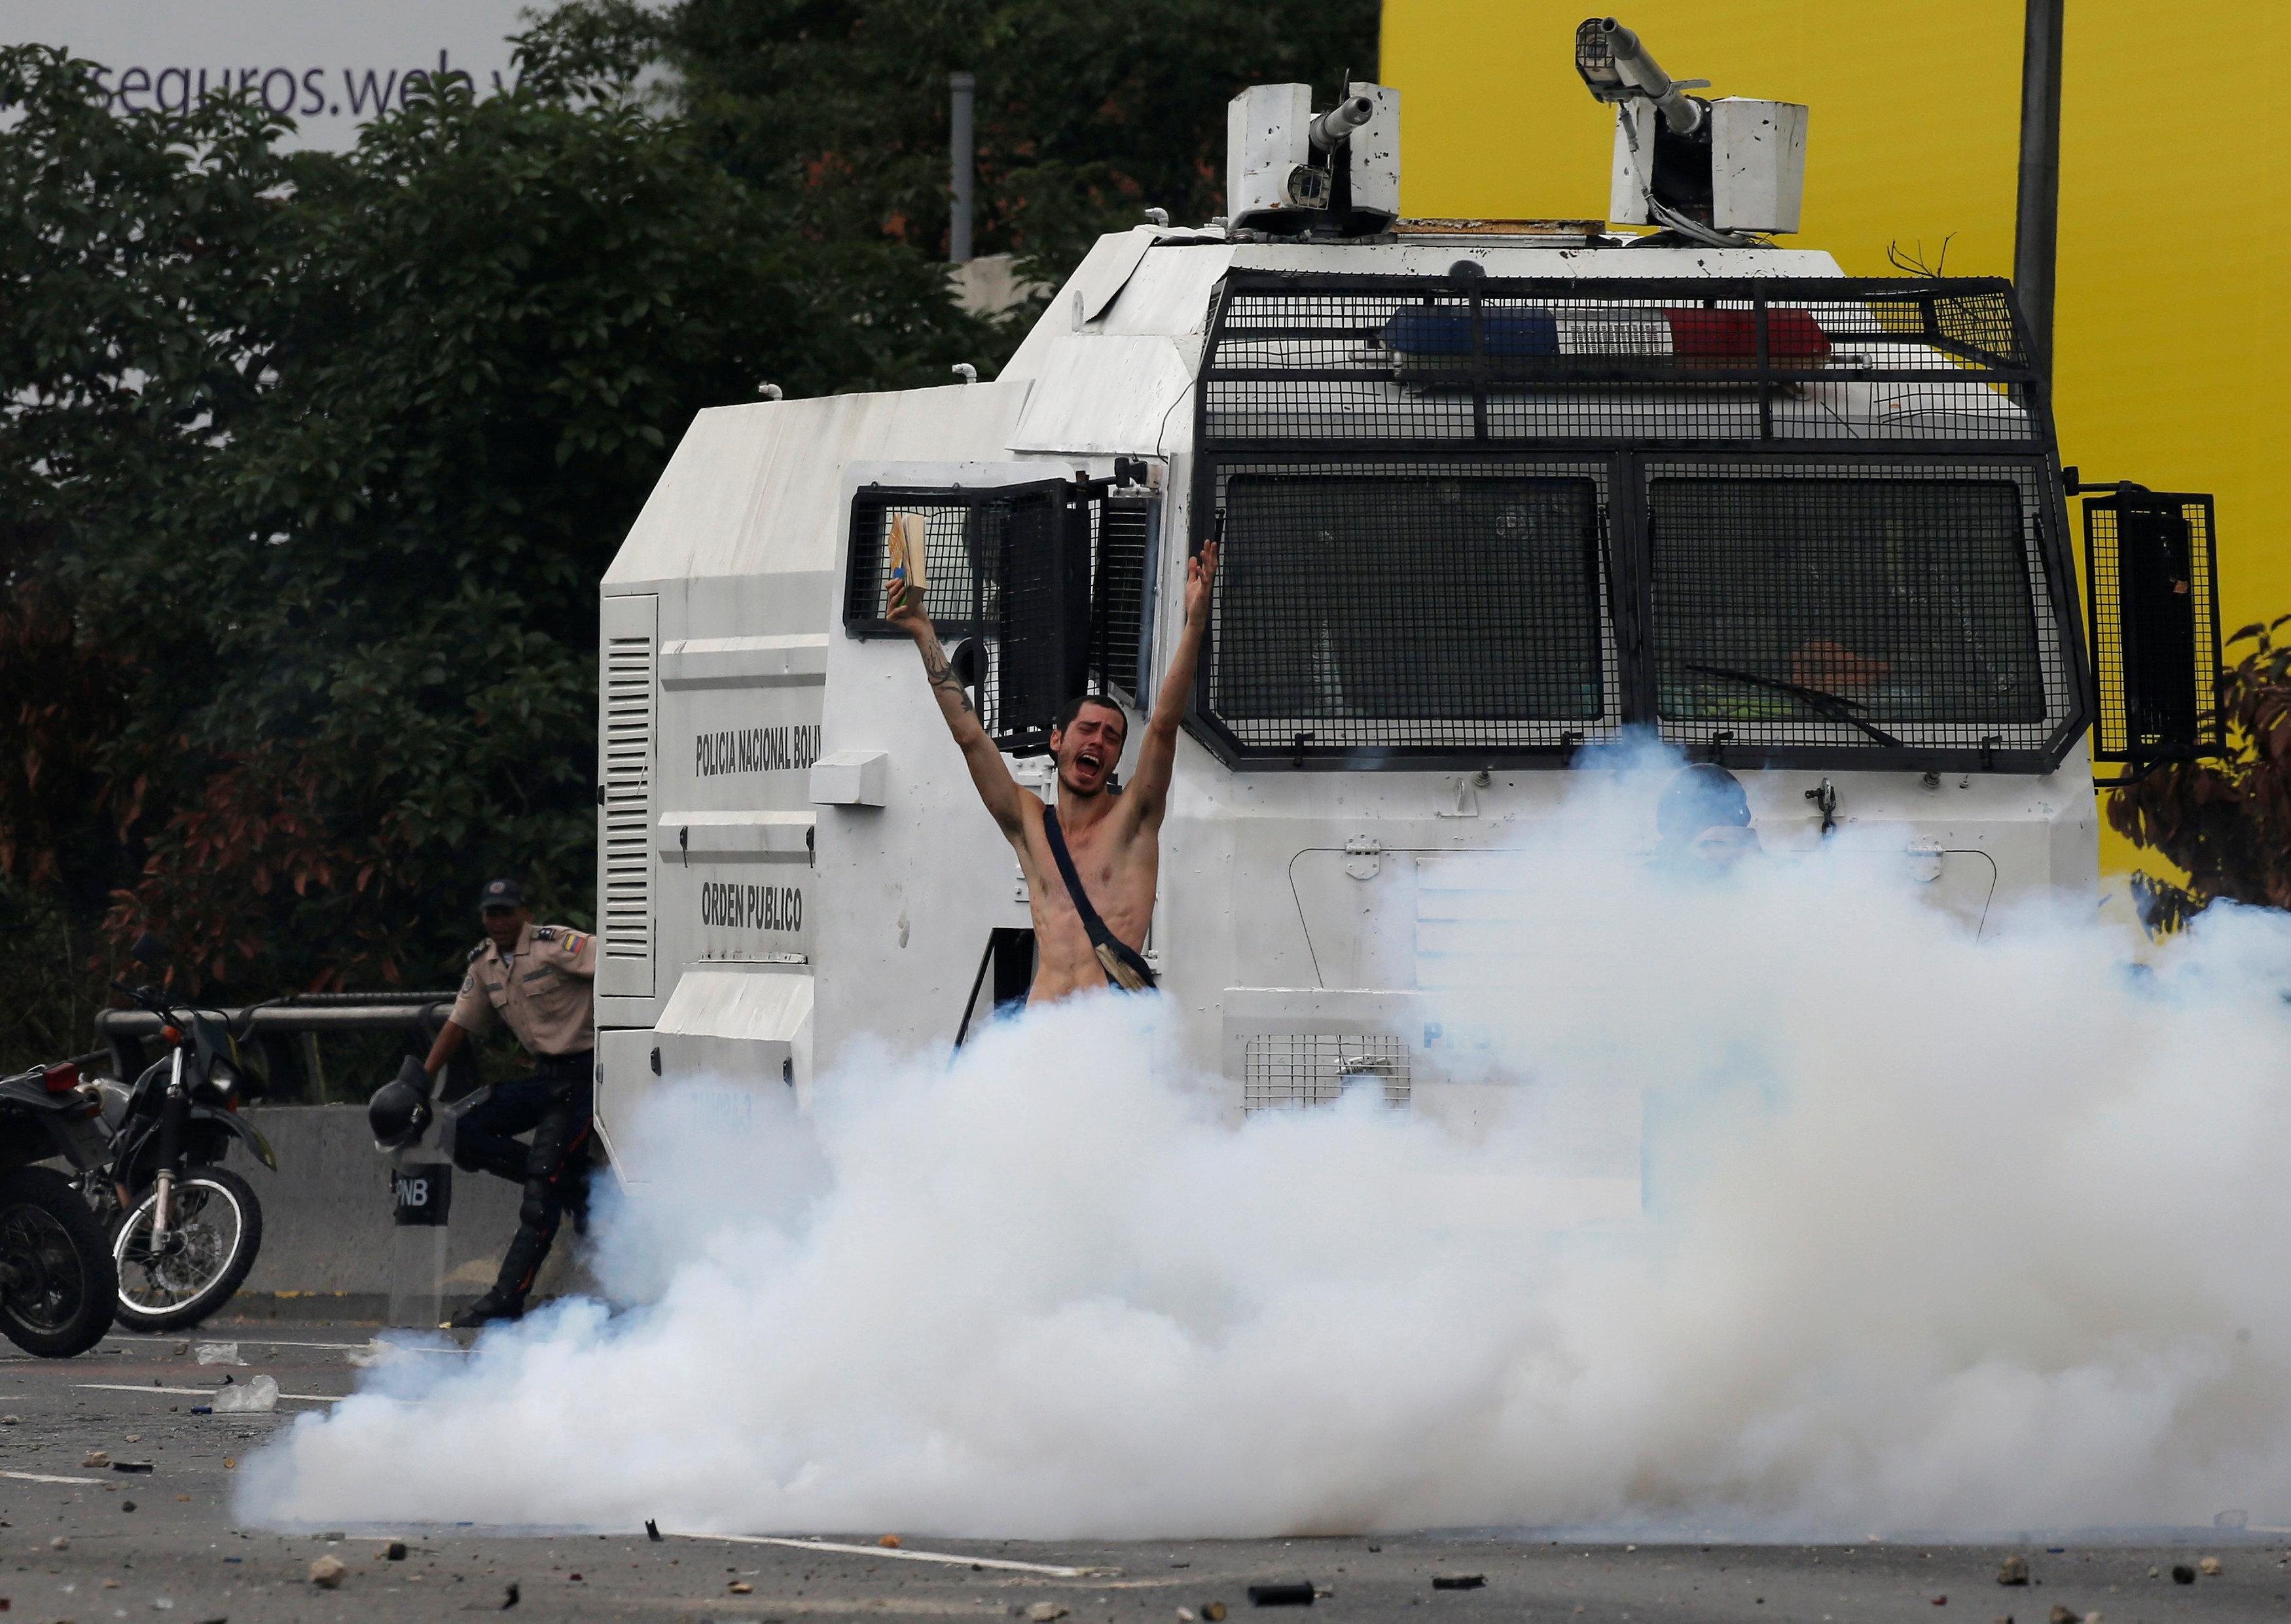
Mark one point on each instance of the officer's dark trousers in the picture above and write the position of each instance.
(556, 1105)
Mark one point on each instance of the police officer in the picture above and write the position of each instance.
(537, 979)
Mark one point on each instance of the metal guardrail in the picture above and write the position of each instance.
(284, 1033)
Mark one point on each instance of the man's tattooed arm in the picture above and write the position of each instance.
(942, 674)
(988, 770)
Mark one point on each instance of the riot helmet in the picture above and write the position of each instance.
(400, 1109)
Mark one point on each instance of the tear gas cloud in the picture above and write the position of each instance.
(1937, 1235)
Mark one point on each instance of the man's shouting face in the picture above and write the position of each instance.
(1089, 748)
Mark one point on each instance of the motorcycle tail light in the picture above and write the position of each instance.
(60, 1079)
(173, 1034)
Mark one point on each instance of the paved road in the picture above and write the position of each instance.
(94, 1545)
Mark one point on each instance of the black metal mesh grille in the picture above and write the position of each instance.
(1045, 622)
(1120, 531)
(1795, 605)
(1318, 357)
(1410, 608)
(2152, 592)
(998, 568)
(962, 550)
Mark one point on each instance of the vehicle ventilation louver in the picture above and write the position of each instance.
(1292, 1069)
(626, 895)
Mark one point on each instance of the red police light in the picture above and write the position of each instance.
(1723, 337)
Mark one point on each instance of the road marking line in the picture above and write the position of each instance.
(152, 1342)
(129, 1386)
(899, 1555)
(44, 1477)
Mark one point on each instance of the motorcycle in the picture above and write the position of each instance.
(184, 1229)
(59, 1286)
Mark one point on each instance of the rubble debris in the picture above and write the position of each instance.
(2065, 1615)
(511, 1598)
(131, 1465)
(12, 1420)
(182, 1348)
(1283, 1593)
(652, 1530)
(60, 1543)
(738, 1586)
(96, 1460)
(1045, 1612)
(220, 1353)
(1214, 1612)
(202, 1408)
(890, 1542)
(395, 1551)
(257, 1397)
(326, 1573)
(1458, 1581)
(127, 1505)
(2015, 1572)
(1940, 1601)
(2182, 1574)
(1185, 1615)
(2209, 1567)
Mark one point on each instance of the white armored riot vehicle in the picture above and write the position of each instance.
(1491, 495)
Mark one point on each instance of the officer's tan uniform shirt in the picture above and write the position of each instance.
(541, 990)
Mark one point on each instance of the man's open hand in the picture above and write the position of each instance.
(1201, 575)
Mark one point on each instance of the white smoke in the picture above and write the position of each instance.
(1939, 1234)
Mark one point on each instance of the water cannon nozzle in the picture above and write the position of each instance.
(1335, 127)
(1614, 63)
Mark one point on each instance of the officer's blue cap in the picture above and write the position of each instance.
(500, 894)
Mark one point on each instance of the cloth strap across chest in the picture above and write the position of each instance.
(1122, 964)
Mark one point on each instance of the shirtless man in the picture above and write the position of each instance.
(1114, 839)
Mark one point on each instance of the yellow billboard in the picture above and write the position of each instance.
(2172, 335)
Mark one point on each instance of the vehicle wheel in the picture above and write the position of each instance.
(214, 1228)
(58, 1288)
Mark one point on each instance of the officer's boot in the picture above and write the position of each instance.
(575, 1190)
(528, 1250)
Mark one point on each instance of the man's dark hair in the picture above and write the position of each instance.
(1072, 707)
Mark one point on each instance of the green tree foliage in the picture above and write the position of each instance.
(310, 463)
(837, 109)
(314, 464)
(2226, 823)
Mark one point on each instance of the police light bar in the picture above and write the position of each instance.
(1692, 335)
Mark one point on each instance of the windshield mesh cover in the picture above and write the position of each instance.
(1810, 610)
(1413, 611)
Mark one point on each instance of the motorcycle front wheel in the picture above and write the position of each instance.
(214, 1228)
(57, 1284)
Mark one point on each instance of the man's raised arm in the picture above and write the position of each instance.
(988, 770)
(1157, 753)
